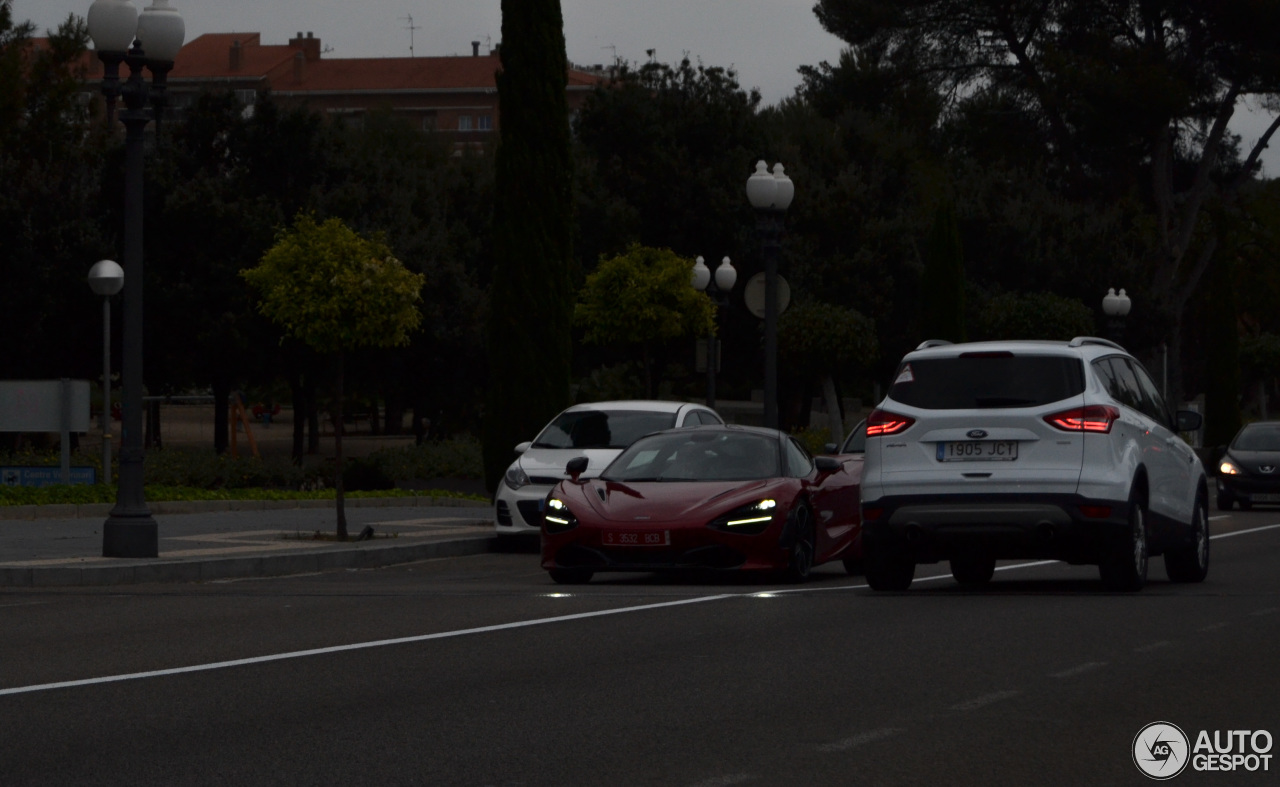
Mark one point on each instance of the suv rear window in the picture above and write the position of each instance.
(987, 380)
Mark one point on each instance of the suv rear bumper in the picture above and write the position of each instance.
(931, 528)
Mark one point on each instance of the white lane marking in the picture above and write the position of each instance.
(484, 630)
(1214, 626)
(25, 604)
(1219, 516)
(859, 740)
(984, 700)
(1266, 611)
(1078, 670)
(1164, 643)
(1244, 532)
(355, 646)
(726, 781)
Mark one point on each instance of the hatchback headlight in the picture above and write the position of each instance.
(516, 476)
(748, 520)
(558, 518)
(1228, 468)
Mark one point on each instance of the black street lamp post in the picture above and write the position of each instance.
(718, 288)
(770, 195)
(119, 34)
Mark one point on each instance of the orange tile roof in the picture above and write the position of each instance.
(209, 57)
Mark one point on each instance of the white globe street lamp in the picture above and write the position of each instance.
(770, 195)
(106, 278)
(1116, 308)
(119, 35)
(718, 288)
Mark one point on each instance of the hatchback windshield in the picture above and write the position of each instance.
(697, 455)
(602, 428)
(1259, 437)
(987, 379)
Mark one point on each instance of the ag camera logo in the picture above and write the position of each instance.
(1160, 750)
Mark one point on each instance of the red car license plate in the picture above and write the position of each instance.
(636, 538)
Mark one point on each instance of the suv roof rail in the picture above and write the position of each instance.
(927, 343)
(1080, 341)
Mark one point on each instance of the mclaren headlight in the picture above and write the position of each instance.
(516, 476)
(558, 518)
(749, 519)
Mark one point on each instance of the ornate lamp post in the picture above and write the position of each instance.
(718, 287)
(105, 279)
(770, 195)
(1116, 307)
(119, 35)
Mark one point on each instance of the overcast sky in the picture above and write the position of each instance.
(765, 41)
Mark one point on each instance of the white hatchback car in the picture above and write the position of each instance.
(1059, 450)
(598, 431)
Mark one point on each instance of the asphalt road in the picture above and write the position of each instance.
(480, 671)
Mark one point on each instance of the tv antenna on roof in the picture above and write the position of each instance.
(410, 27)
(613, 49)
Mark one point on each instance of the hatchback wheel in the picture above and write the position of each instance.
(973, 569)
(1191, 562)
(1124, 561)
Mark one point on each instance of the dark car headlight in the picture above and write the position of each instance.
(750, 519)
(558, 518)
(1228, 467)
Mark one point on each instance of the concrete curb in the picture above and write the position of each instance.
(276, 565)
(163, 507)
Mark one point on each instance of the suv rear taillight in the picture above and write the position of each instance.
(881, 423)
(1094, 418)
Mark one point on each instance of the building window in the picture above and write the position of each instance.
(486, 123)
(464, 123)
(247, 97)
(429, 122)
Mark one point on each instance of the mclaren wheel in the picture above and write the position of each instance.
(803, 545)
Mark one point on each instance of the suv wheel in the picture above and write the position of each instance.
(889, 570)
(973, 569)
(1191, 562)
(1124, 561)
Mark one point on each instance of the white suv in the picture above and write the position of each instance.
(599, 431)
(1029, 449)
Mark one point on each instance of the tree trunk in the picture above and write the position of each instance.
(313, 417)
(221, 395)
(833, 409)
(299, 417)
(339, 500)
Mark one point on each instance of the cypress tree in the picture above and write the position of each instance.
(942, 287)
(531, 297)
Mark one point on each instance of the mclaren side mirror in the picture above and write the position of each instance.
(576, 467)
(827, 464)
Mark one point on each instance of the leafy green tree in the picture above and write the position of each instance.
(942, 287)
(1116, 98)
(643, 297)
(337, 292)
(825, 342)
(531, 294)
(1034, 315)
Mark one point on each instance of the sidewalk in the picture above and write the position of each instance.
(59, 546)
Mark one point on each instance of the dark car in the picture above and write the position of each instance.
(712, 498)
(1249, 472)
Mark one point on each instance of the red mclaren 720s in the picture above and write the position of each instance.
(715, 498)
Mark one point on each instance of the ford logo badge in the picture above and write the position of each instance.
(977, 434)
